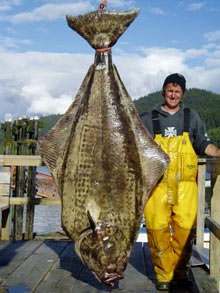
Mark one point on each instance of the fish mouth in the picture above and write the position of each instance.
(110, 279)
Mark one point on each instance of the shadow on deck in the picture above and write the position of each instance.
(52, 266)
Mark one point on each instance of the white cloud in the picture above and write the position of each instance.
(157, 10)
(211, 46)
(40, 82)
(213, 62)
(216, 53)
(33, 83)
(54, 10)
(195, 6)
(214, 9)
(212, 36)
(194, 53)
(41, 101)
(10, 43)
(145, 74)
(8, 4)
(4, 7)
(16, 2)
(51, 12)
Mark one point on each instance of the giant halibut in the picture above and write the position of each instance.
(102, 158)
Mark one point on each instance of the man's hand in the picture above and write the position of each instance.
(212, 151)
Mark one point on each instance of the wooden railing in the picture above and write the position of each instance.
(212, 221)
(9, 228)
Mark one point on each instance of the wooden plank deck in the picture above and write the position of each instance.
(52, 266)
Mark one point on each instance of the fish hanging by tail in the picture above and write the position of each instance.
(102, 158)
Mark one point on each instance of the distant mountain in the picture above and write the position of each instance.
(206, 103)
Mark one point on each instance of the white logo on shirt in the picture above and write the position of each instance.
(207, 137)
(170, 131)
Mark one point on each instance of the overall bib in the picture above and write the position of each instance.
(170, 212)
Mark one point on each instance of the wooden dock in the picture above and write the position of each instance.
(52, 266)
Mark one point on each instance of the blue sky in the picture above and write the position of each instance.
(43, 62)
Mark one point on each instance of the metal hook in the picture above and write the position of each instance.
(103, 4)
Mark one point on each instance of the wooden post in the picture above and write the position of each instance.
(215, 215)
(31, 178)
(201, 204)
(8, 148)
(20, 178)
(9, 145)
(4, 208)
(14, 170)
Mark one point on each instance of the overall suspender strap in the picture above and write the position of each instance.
(156, 122)
(186, 119)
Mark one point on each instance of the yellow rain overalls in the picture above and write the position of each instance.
(170, 212)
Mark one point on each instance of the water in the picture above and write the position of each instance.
(46, 218)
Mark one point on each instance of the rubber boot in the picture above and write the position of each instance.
(182, 248)
(162, 253)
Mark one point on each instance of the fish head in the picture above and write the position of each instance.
(104, 249)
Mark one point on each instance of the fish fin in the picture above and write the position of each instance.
(91, 221)
(153, 159)
(93, 207)
(52, 145)
(104, 27)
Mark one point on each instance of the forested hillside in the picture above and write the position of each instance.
(206, 103)
(48, 123)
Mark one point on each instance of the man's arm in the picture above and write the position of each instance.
(212, 151)
(146, 118)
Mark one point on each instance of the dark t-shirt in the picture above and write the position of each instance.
(172, 125)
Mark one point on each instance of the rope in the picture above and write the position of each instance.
(103, 5)
(103, 49)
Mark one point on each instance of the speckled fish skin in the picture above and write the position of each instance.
(102, 158)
